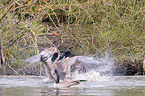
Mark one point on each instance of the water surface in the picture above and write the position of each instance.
(104, 86)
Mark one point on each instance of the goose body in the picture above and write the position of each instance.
(66, 83)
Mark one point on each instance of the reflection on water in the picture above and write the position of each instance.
(112, 86)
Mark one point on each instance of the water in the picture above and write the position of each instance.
(96, 85)
(100, 82)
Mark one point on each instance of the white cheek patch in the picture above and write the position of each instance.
(49, 59)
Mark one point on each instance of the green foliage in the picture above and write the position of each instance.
(85, 27)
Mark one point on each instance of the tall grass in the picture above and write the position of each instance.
(86, 27)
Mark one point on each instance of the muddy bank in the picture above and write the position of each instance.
(128, 68)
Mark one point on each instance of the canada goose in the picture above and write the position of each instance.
(63, 63)
(67, 83)
(68, 65)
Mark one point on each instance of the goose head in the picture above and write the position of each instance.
(66, 54)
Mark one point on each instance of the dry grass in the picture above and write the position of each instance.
(86, 27)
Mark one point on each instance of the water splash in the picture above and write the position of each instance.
(92, 76)
(102, 71)
(99, 69)
(106, 65)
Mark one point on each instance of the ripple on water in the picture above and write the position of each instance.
(96, 85)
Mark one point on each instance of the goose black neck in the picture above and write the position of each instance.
(57, 75)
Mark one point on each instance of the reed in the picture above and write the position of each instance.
(86, 27)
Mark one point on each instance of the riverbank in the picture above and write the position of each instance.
(129, 68)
